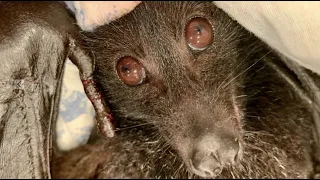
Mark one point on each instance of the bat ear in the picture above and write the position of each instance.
(85, 65)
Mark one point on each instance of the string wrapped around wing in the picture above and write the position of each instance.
(86, 66)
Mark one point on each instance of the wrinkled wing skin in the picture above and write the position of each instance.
(33, 48)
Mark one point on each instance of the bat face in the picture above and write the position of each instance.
(177, 72)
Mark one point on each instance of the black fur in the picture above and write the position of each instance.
(226, 90)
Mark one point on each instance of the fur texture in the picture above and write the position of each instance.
(226, 90)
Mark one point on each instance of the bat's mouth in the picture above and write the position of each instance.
(206, 173)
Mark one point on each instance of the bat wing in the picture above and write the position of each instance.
(33, 49)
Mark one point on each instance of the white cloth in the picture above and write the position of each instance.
(291, 27)
(91, 14)
(76, 113)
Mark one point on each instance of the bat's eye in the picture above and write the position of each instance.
(130, 71)
(198, 32)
